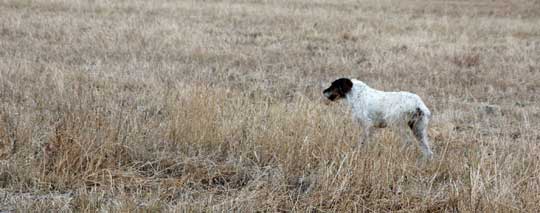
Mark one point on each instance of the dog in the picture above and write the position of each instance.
(372, 108)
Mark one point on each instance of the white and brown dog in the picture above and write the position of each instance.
(378, 109)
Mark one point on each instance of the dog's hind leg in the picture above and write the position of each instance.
(418, 125)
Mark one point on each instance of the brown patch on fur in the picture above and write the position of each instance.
(415, 118)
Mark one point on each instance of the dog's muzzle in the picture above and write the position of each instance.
(329, 95)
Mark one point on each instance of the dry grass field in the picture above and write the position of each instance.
(216, 105)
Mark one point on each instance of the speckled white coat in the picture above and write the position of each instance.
(379, 109)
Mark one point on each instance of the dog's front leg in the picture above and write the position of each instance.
(366, 135)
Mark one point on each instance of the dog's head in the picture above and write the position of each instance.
(338, 89)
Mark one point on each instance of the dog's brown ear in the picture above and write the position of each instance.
(344, 86)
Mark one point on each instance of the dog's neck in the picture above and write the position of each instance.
(358, 88)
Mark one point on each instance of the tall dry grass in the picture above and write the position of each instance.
(216, 105)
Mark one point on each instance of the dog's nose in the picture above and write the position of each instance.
(326, 94)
